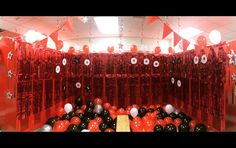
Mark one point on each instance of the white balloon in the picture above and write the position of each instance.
(85, 130)
(169, 108)
(68, 107)
(134, 112)
(98, 108)
(215, 36)
(46, 128)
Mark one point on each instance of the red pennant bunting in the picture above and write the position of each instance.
(185, 45)
(207, 50)
(166, 31)
(68, 24)
(54, 36)
(44, 42)
(152, 19)
(177, 38)
(197, 50)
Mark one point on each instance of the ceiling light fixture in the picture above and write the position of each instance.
(107, 25)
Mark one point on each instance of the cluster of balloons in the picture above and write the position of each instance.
(99, 116)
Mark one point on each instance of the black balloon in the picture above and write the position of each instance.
(72, 114)
(78, 102)
(142, 111)
(103, 126)
(90, 104)
(173, 116)
(130, 117)
(170, 128)
(187, 119)
(150, 110)
(160, 116)
(183, 127)
(82, 126)
(164, 114)
(108, 120)
(159, 109)
(86, 119)
(80, 115)
(95, 115)
(181, 115)
(113, 125)
(72, 128)
(158, 128)
(88, 111)
(52, 120)
(76, 107)
(200, 128)
(105, 113)
(66, 117)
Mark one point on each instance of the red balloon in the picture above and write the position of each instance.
(134, 48)
(152, 106)
(129, 108)
(120, 111)
(110, 49)
(136, 124)
(148, 114)
(75, 120)
(114, 107)
(113, 116)
(161, 122)
(83, 107)
(168, 120)
(59, 44)
(109, 130)
(71, 50)
(98, 120)
(192, 124)
(201, 41)
(80, 111)
(86, 49)
(59, 126)
(157, 50)
(61, 112)
(158, 105)
(135, 106)
(171, 50)
(106, 105)
(153, 116)
(66, 123)
(145, 106)
(177, 122)
(93, 126)
(156, 112)
(111, 111)
(97, 101)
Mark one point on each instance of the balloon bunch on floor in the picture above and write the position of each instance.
(97, 116)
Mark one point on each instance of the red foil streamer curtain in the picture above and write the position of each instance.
(121, 79)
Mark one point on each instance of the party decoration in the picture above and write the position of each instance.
(51, 121)
(110, 49)
(46, 128)
(78, 101)
(201, 41)
(90, 104)
(152, 19)
(66, 117)
(60, 112)
(68, 24)
(177, 38)
(232, 57)
(166, 31)
(157, 50)
(68, 107)
(71, 50)
(169, 108)
(158, 128)
(86, 62)
(98, 101)
(106, 105)
(134, 112)
(155, 64)
(215, 36)
(103, 126)
(86, 49)
(85, 130)
(134, 48)
(177, 122)
(72, 128)
(75, 120)
(142, 111)
(98, 109)
(109, 130)
(200, 128)
(176, 111)
(173, 116)
(54, 36)
(170, 128)
(186, 43)
(183, 127)
(171, 50)
(146, 61)
(204, 59)
(59, 44)
(133, 61)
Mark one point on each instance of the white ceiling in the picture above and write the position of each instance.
(132, 26)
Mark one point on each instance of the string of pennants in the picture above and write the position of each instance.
(68, 24)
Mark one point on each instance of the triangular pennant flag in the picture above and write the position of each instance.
(152, 19)
(54, 36)
(44, 42)
(197, 50)
(207, 50)
(177, 38)
(166, 31)
(185, 45)
(68, 24)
